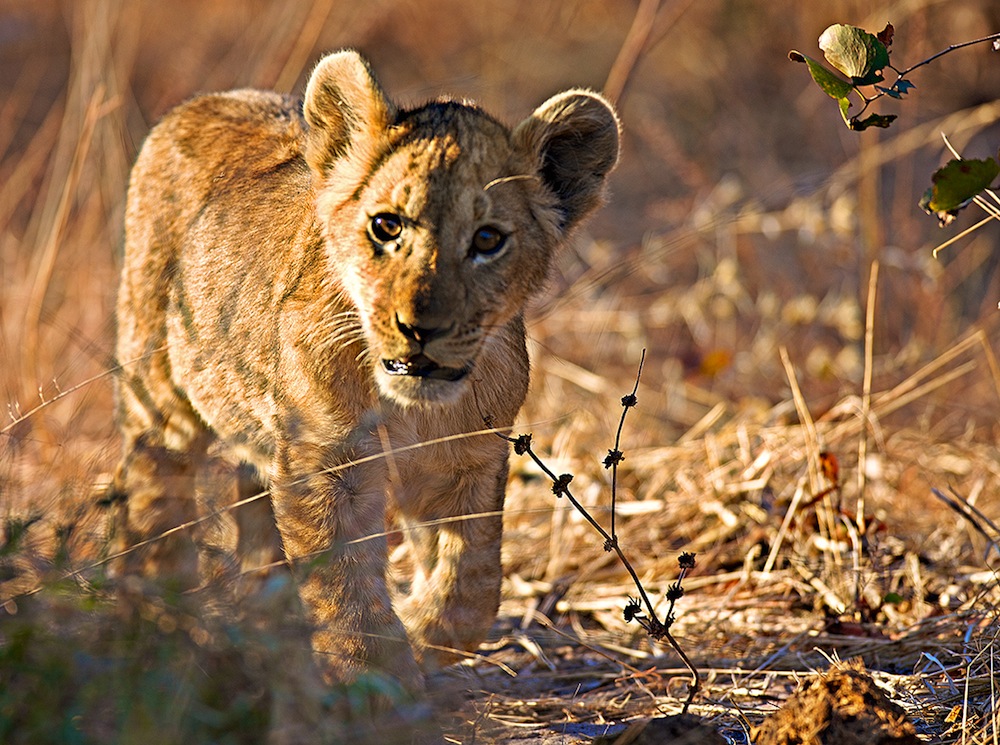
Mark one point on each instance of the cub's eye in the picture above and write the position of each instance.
(487, 241)
(385, 227)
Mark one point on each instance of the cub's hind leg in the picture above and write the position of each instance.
(258, 543)
(154, 486)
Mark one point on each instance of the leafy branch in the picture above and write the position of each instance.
(956, 185)
(642, 610)
(860, 59)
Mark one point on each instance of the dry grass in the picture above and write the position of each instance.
(739, 249)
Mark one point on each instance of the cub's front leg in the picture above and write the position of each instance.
(331, 517)
(454, 527)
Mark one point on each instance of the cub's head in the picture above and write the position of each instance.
(441, 222)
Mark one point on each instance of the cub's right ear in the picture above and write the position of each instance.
(342, 100)
(573, 139)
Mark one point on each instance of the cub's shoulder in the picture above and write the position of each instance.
(245, 109)
(222, 143)
(257, 128)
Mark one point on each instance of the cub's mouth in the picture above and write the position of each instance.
(422, 366)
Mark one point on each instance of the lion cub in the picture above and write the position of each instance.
(334, 288)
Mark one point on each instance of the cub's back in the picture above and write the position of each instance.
(219, 217)
(220, 146)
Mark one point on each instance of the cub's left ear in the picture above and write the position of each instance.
(344, 105)
(573, 138)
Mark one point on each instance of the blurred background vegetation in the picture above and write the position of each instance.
(743, 217)
(730, 158)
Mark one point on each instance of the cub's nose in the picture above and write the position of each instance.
(420, 334)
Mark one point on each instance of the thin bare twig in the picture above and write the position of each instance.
(952, 48)
(560, 487)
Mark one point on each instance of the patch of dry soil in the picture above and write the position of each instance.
(840, 707)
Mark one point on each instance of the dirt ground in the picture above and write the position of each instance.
(817, 414)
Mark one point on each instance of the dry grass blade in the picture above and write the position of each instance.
(631, 49)
(975, 518)
(96, 108)
(866, 394)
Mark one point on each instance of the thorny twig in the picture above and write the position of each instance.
(648, 619)
(616, 456)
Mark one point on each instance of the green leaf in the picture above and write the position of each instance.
(845, 104)
(955, 185)
(872, 120)
(945, 218)
(897, 90)
(855, 52)
(831, 83)
(960, 180)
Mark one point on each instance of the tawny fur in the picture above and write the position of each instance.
(258, 307)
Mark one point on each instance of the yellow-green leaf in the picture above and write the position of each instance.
(854, 52)
(832, 84)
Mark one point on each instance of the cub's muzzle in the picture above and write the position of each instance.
(422, 366)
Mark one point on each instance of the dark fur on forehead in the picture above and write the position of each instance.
(440, 117)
